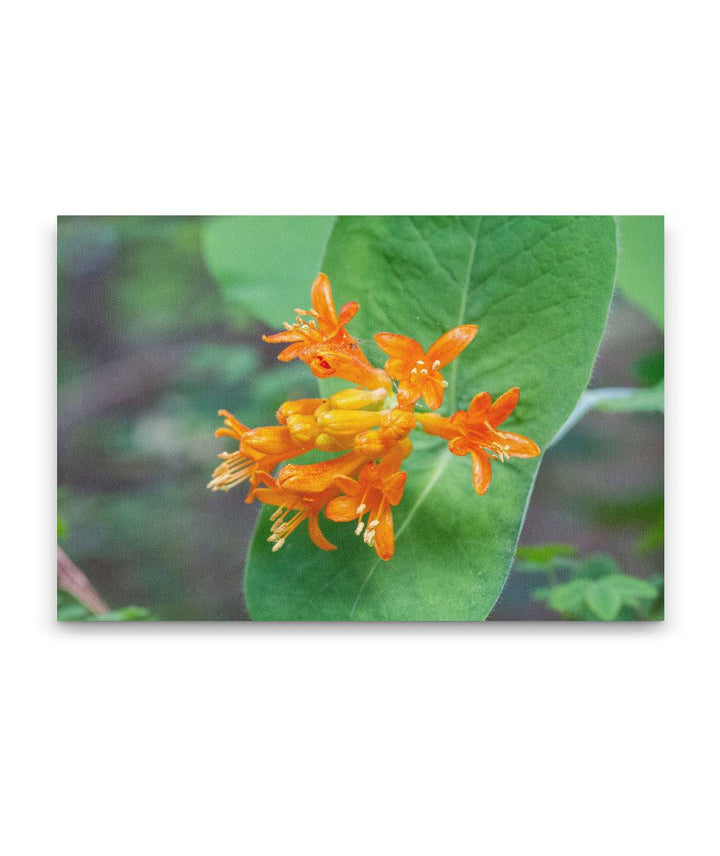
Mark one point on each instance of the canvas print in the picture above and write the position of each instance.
(359, 418)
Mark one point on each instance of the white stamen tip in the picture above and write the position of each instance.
(436, 365)
(373, 523)
(413, 371)
(421, 362)
(423, 371)
(445, 384)
(360, 508)
(277, 546)
(359, 528)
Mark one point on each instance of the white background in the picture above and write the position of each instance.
(205, 739)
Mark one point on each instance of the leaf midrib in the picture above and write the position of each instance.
(444, 456)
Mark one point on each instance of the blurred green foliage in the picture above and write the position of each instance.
(69, 609)
(591, 589)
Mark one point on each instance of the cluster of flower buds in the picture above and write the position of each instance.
(367, 425)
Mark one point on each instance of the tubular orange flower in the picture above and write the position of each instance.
(319, 338)
(305, 507)
(315, 478)
(377, 489)
(474, 431)
(259, 449)
(418, 370)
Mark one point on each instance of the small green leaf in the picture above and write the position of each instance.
(641, 263)
(603, 600)
(568, 597)
(267, 264)
(127, 613)
(630, 588)
(543, 554)
(599, 565)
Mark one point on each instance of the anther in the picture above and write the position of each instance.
(277, 546)
(359, 528)
(421, 362)
(445, 384)
(423, 371)
(373, 523)
(436, 365)
(360, 508)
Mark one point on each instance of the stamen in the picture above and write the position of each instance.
(423, 371)
(277, 546)
(421, 362)
(360, 508)
(444, 384)
(359, 528)
(413, 371)
(436, 365)
(373, 523)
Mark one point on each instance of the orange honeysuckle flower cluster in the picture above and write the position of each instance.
(368, 425)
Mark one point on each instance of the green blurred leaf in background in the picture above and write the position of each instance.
(266, 264)
(538, 288)
(641, 264)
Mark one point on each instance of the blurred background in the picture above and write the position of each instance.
(151, 345)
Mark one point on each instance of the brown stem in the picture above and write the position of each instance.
(72, 580)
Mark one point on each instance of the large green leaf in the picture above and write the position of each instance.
(641, 263)
(266, 264)
(538, 288)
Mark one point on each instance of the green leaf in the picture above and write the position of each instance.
(127, 613)
(568, 597)
(629, 588)
(538, 288)
(603, 600)
(543, 555)
(267, 264)
(598, 565)
(641, 263)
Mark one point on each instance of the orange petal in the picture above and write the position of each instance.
(520, 447)
(482, 471)
(437, 425)
(349, 422)
(480, 404)
(385, 536)
(314, 478)
(295, 350)
(318, 539)
(400, 347)
(394, 486)
(451, 344)
(349, 367)
(433, 392)
(347, 485)
(322, 301)
(301, 406)
(342, 509)
(272, 440)
(459, 446)
(503, 407)
(348, 311)
(283, 336)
